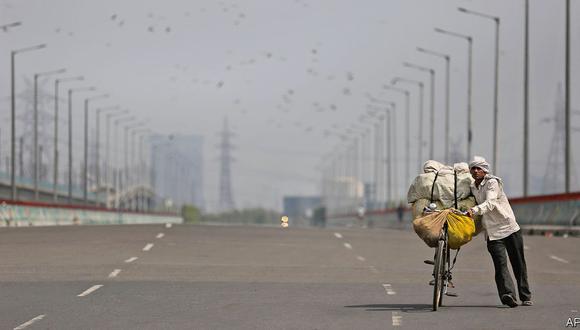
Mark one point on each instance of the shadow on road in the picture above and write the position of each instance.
(415, 308)
(408, 308)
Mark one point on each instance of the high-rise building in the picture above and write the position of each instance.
(176, 175)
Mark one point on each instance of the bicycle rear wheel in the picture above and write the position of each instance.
(438, 270)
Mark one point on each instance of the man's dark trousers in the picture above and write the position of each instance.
(514, 245)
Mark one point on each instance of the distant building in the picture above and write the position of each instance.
(176, 162)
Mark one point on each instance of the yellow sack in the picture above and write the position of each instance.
(460, 228)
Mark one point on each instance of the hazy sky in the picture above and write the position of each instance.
(285, 71)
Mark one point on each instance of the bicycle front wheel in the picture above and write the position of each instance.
(438, 270)
(444, 269)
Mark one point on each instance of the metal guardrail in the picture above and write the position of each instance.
(18, 214)
(547, 214)
(62, 189)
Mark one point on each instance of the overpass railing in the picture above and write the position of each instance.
(20, 213)
(45, 186)
(559, 214)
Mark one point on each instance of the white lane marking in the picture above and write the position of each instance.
(360, 258)
(574, 311)
(560, 259)
(389, 290)
(526, 247)
(348, 246)
(374, 269)
(160, 235)
(338, 235)
(26, 324)
(114, 273)
(131, 259)
(90, 290)
(148, 247)
(397, 319)
(168, 225)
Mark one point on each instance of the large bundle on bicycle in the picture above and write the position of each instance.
(448, 189)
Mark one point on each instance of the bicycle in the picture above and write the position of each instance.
(442, 269)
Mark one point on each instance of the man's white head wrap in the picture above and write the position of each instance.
(480, 162)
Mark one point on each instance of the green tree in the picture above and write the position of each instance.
(190, 214)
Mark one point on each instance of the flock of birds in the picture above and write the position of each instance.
(289, 100)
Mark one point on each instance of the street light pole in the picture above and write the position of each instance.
(388, 157)
(57, 82)
(70, 136)
(391, 130)
(432, 108)
(13, 114)
(469, 40)
(421, 96)
(526, 93)
(116, 160)
(138, 169)
(126, 165)
(568, 156)
(35, 133)
(496, 20)
(107, 153)
(447, 59)
(408, 128)
(373, 157)
(86, 147)
(97, 151)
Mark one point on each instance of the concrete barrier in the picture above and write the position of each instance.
(40, 214)
(548, 214)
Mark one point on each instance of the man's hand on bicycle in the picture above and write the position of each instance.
(469, 213)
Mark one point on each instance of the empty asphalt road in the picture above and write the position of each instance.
(233, 277)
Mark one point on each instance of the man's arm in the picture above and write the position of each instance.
(491, 198)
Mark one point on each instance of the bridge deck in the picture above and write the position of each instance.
(217, 277)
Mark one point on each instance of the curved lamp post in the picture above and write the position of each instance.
(13, 114)
(408, 128)
(469, 40)
(116, 159)
(496, 20)
(432, 108)
(35, 133)
(57, 83)
(86, 146)
(98, 149)
(70, 135)
(108, 152)
(447, 59)
(421, 96)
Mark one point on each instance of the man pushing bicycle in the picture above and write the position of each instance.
(502, 233)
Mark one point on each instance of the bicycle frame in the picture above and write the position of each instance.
(441, 270)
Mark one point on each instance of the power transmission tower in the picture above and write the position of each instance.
(26, 128)
(226, 201)
(553, 181)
